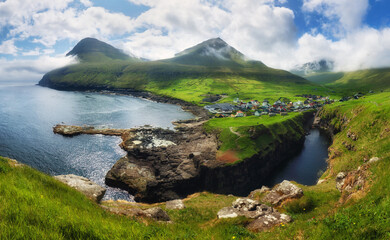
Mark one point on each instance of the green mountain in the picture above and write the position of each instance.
(211, 67)
(362, 80)
(213, 53)
(93, 50)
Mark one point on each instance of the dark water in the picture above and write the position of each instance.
(28, 113)
(305, 167)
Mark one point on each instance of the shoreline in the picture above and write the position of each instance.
(197, 111)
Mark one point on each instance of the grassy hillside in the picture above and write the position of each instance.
(236, 134)
(35, 206)
(363, 80)
(93, 50)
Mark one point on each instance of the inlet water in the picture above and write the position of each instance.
(307, 166)
(28, 113)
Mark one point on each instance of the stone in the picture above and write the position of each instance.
(227, 212)
(283, 191)
(340, 179)
(175, 204)
(245, 204)
(321, 181)
(373, 160)
(90, 189)
(262, 190)
(268, 221)
(157, 214)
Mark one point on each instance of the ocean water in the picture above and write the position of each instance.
(28, 113)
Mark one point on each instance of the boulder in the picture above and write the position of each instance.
(268, 221)
(340, 179)
(90, 189)
(373, 160)
(321, 181)
(245, 204)
(265, 216)
(283, 191)
(260, 191)
(227, 212)
(175, 204)
(157, 214)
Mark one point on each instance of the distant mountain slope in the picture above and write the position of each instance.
(211, 67)
(320, 66)
(362, 80)
(93, 50)
(213, 53)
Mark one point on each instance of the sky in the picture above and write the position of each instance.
(35, 35)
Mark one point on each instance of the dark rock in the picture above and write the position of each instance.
(84, 185)
(157, 214)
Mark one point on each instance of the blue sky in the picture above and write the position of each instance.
(355, 34)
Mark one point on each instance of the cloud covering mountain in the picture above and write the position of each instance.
(280, 33)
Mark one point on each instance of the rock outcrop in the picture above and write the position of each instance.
(281, 192)
(133, 210)
(175, 204)
(90, 189)
(163, 165)
(265, 217)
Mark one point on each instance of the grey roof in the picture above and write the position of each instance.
(222, 106)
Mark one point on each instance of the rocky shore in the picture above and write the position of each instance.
(162, 164)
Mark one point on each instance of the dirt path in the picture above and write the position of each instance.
(234, 132)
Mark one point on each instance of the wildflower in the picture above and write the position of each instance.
(234, 237)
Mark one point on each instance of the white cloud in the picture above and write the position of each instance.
(8, 47)
(348, 14)
(31, 70)
(86, 3)
(255, 27)
(48, 21)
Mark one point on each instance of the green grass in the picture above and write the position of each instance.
(362, 80)
(35, 206)
(257, 135)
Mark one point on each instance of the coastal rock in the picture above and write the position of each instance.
(258, 192)
(321, 181)
(90, 189)
(130, 210)
(175, 204)
(265, 217)
(157, 214)
(340, 180)
(161, 164)
(283, 191)
(227, 212)
(134, 176)
(268, 221)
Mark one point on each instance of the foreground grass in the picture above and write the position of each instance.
(35, 206)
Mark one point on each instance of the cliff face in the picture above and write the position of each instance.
(163, 165)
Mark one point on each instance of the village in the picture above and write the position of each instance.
(282, 106)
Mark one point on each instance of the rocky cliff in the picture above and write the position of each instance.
(163, 164)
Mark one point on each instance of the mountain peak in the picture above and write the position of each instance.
(92, 49)
(214, 52)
